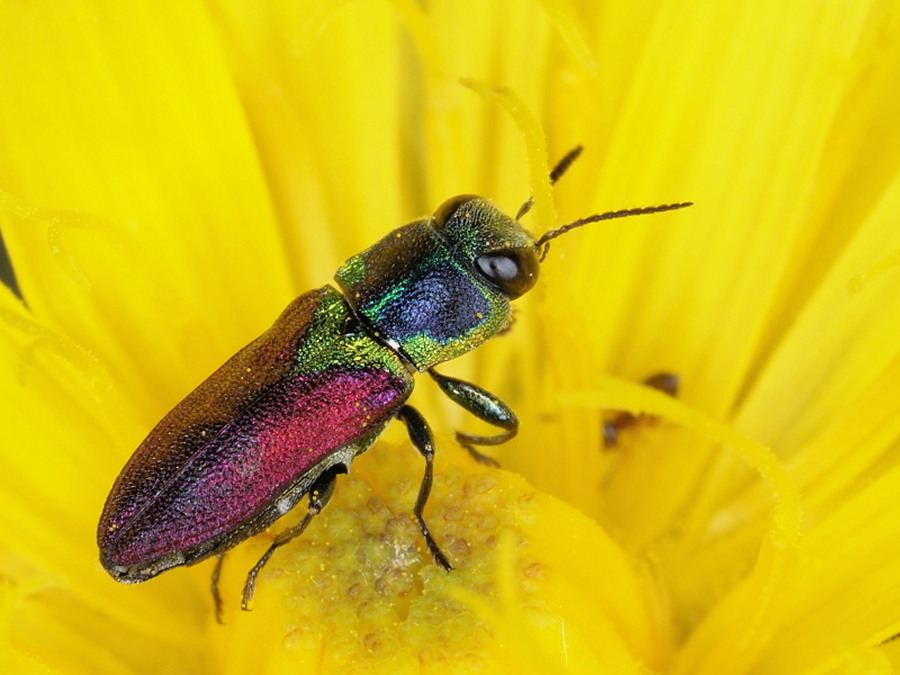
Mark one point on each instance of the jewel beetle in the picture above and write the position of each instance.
(290, 411)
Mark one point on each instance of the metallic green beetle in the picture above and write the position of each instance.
(289, 412)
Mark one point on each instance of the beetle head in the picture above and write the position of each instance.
(500, 250)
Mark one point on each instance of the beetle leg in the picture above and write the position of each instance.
(485, 406)
(667, 383)
(421, 437)
(319, 494)
(217, 597)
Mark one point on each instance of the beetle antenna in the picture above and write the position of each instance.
(544, 242)
(561, 167)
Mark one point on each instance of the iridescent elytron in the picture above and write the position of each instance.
(289, 412)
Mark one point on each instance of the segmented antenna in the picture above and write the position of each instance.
(544, 242)
(558, 170)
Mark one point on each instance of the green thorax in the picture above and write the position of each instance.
(419, 292)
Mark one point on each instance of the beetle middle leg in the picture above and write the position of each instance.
(421, 436)
(319, 494)
(485, 406)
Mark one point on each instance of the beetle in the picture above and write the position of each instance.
(290, 411)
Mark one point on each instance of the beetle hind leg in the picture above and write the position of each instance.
(485, 406)
(421, 436)
(214, 587)
(319, 495)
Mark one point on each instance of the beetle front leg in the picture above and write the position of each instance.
(319, 494)
(421, 437)
(485, 406)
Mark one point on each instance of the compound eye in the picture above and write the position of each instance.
(514, 271)
(446, 210)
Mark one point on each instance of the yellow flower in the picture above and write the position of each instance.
(173, 173)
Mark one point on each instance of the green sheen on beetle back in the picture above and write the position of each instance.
(419, 291)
